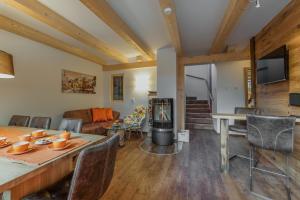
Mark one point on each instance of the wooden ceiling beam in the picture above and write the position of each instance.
(214, 58)
(129, 66)
(12, 26)
(171, 21)
(232, 16)
(107, 14)
(44, 14)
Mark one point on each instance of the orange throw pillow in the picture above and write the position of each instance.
(109, 114)
(99, 115)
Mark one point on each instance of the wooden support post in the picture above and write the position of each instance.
(224, 146)
(253, 70)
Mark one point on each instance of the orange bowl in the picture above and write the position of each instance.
(20, 146)
(65, 135)
(38, 133)
(26, 137)
(59, 143)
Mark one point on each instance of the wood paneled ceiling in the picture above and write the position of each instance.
(114, 32)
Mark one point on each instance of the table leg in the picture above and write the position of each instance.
(224, 146)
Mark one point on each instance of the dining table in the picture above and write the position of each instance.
(223, 119)
(24, 174)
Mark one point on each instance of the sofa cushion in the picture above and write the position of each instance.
(99, 115)
(116, 115)
(109, 114)
(84, 114)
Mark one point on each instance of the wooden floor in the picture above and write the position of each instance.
(191, 174)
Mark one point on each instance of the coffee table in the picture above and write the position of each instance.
(119, 129)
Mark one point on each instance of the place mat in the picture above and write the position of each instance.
(41, 153)
(13, 133)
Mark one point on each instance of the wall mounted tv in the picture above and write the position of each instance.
(273, 67)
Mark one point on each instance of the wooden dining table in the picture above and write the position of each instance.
(224, 125)
(18, 178)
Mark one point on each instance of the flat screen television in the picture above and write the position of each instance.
(273, 67)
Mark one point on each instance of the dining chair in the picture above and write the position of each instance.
(72, 125)
(92, 175)
(19, 120)
(40, 122)
(275, 134)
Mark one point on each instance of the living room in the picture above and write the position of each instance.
(163, 90)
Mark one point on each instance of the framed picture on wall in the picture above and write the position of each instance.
(75, 82)
(117, 87)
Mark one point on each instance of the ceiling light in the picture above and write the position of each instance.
(167, 10)
(257, 5)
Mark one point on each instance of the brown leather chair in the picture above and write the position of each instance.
(19, 120)
(92, 176)
(40, 122)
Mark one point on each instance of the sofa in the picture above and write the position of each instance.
(89, 126)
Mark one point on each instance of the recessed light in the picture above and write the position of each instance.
(167, 10)
(258, 5)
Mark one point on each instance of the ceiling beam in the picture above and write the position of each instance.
(232, 16)
(106, 13)
(30, 33)
(42, 13)
(214, 58)
(171, 21)
(129, 66)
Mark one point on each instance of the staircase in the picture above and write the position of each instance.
(198, 114)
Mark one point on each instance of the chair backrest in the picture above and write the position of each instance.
(72, 125)
(272, 133)
(244, 110)
(40, 122)
(94, 170)
(19, 120)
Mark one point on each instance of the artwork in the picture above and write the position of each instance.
(75, 82)
(117, 87)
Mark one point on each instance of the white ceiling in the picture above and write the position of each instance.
(198, 22)
(254, 19)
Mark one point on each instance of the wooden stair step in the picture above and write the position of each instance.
(198, 110)
(196, 102)
(198, 115)
(191, 98)
(192, 126)
(199, 120)
(197, 106)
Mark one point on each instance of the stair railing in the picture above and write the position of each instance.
(211, 97)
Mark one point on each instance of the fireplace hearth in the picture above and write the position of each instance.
(162, 117)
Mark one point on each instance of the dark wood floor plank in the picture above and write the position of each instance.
(193, 174)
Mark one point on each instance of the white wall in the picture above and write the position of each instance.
(167, 77)
(36, 89)
(137, 83)
(195, 87)
(230, 86)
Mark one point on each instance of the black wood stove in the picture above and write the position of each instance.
(163, 124)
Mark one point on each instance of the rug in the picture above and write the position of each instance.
(149, 147)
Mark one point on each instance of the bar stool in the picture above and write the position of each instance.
(271, 133)
(239, 128)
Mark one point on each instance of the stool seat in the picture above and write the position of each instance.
(238, 128)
